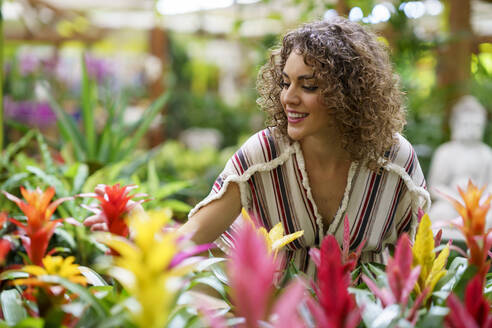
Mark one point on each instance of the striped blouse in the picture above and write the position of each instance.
(274, 187)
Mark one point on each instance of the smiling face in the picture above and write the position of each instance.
(301, 100)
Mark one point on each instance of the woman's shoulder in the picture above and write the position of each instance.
(265, 145)
(403, 154)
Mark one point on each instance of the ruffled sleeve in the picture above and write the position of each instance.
(261, 152)
(406, 165)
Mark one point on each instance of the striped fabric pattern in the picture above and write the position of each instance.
(274, 187)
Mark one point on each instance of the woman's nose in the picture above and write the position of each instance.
(291, 95)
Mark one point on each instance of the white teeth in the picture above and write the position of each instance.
(296, 115)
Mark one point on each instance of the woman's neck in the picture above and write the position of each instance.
(324, 151)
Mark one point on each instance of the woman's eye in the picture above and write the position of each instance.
(310, 88)
(285, 85)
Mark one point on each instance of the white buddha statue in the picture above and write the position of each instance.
(455, 162)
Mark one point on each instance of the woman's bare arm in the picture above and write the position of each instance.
(213, 219)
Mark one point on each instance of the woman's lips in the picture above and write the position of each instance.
(295, 117)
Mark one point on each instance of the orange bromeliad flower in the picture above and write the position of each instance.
(39, 228)
(472, 224)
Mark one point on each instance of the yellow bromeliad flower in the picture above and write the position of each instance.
(275, 238)
(432, 268)
(55, 266)
(143, 267)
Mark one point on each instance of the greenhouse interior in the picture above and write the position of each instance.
(246, 163)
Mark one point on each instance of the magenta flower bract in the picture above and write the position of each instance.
(251, 272)
(401, 277)
(475, 313)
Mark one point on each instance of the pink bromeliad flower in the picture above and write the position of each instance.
(475, 313)
(401, 279)
(39, 229)
(251, 270)
(336, 308)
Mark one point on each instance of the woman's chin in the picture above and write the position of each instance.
(294, 134)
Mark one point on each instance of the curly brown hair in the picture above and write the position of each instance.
(357, 83)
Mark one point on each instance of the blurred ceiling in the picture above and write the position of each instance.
(90, 19)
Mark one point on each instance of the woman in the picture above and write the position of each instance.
(332, 149)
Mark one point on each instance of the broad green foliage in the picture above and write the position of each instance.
(116, 141)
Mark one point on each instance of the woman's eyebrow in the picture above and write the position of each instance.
(300, 77)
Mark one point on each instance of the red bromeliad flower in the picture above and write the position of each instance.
(114, 204)
(349, 259)
(39, 228)
(472, 225)
(4, 250)
(337, 308)
(4, 243)
(475, 313)
(3, 219)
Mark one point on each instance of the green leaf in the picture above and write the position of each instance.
(459, 288)
(372, 309)
(441, 295)
(101, 291)
(14, 181)
(171, 188)
(488, 287)
(31, 323)
(131, 167)
(181, 318)
(219, 273)
(12, 307)
(69, 128)
(118, 128)
(49, 179)
(80, 177)
(386, 318)
(362, 293)
(89, 99)
(45, 154)
(66, 236)
(152, 178)
(15, 147)
(83, 293)
(378, 274)
(115, 320)
(211, 281)
(13, 274)
(92, 276)
(202, 265)
(106, 175)
(105, 144)
(176, 205)
(455, 271)
(144, 123)
(433, 318)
